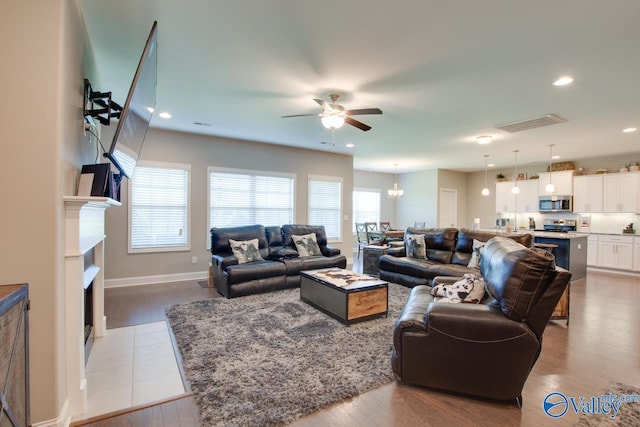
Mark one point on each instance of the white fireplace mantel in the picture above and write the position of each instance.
(84, 224)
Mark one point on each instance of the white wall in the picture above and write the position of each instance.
(41, 85)
(378, 181)
(200, 152)
(420, 200)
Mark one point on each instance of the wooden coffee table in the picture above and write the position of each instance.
(347, 296)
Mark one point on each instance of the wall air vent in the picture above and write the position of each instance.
(546, 120)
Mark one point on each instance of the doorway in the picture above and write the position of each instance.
(448, 208)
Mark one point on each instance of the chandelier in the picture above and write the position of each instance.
(395, 193)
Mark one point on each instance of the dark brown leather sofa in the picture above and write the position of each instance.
(448, 254)
(488, 349)
(281, 266)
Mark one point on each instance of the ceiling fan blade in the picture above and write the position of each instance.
(357, 124)
(363, 111)
(298, 115)
(322, 103)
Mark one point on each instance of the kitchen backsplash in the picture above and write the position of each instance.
(609, 223)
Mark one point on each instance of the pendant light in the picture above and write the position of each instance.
(395, 193)
(485, 190)
(515, 189)
(550, 188)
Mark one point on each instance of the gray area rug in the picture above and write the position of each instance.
(269, 359)
(629, 414)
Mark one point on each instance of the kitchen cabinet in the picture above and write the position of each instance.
(636, 253)
(615, 252)
(527, 199)
(592, 250)
(523, 202)
(505, 199)
(588, 193)
(621, 192)
(563, 181)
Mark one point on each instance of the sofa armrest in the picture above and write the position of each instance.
(397, 252)
(412, 317)
(221, 262)
(330, 251)
(474, 323)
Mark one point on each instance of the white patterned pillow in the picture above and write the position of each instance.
(469, 289)
(246, 250)
(307, 244)
(415, 246)
(476, 253)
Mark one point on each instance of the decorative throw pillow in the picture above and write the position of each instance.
(476, 252)
(307, 245)
(415, 246)
(245, 250)
(469, 289)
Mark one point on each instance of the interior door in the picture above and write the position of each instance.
(448, 208)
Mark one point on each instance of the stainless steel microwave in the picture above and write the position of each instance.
(556, 204)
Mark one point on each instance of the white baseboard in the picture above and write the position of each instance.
(612, 271)
(162, 278)
(63, 420)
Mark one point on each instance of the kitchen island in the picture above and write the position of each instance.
(571, 253)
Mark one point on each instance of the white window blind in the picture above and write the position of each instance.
(325, 205)
(248, 197)
(159, 207)
(366, 206)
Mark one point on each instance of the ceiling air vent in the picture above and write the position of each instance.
(546, 120)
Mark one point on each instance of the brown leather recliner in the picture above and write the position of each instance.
(488, 349)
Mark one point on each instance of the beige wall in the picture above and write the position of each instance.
(41, 78)
(200, 152)
(420, 200)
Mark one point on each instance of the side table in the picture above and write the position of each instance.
(371, 259)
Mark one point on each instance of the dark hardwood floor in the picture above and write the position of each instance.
(601, 345)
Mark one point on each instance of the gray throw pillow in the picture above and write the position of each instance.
(245, 250)
(416, 246)
(307, 245)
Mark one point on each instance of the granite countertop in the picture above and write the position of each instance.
(555, 235)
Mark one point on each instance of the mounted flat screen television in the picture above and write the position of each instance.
(137, 110)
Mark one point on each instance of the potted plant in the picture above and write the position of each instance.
(501, 177)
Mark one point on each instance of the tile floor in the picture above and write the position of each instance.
(131, 366)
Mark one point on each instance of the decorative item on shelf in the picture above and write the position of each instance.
(578, 172)
(601, 171)
(500, 177)
(634, 167)
(534, 176)
(522, 176)
(515, 189)
(550, 188)
(624, 168)
(561, 166)
(485, 190)
(395, 193)
(629, 229)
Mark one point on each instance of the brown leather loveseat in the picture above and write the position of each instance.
(485, 349)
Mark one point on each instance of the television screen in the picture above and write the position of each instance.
(137, 110)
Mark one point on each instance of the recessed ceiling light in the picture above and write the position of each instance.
(563, 81)
(491, 165)
(555, 157)
(350, 145)
(165, 115)
(628, 130)
(484, 139)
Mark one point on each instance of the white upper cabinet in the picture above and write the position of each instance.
(563, 181)
(621, 192)
(505, 199)
(525, 201)
(528, 199)
(588, 193)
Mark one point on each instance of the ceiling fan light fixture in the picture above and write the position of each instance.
(332, 122)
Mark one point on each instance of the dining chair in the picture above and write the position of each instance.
(374, 236)
(361, 233)
(418, 224)
(385, 226)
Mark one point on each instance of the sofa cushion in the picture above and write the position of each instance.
(245, 250)
(515, 275)
(240, 273)
(415, 246)
(220, 238)
(306, 245)
(289, 230)
(417, 267)
(464, 245)
(440, 242)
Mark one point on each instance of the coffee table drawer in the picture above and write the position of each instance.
(367, 303)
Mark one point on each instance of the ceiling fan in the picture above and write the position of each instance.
(334, 115)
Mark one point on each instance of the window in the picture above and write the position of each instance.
(238, 197)
(325, 205)
(159, 207)
(366, 206)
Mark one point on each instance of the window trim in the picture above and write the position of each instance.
(328, 178)
(219, 169)
(160, 165)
